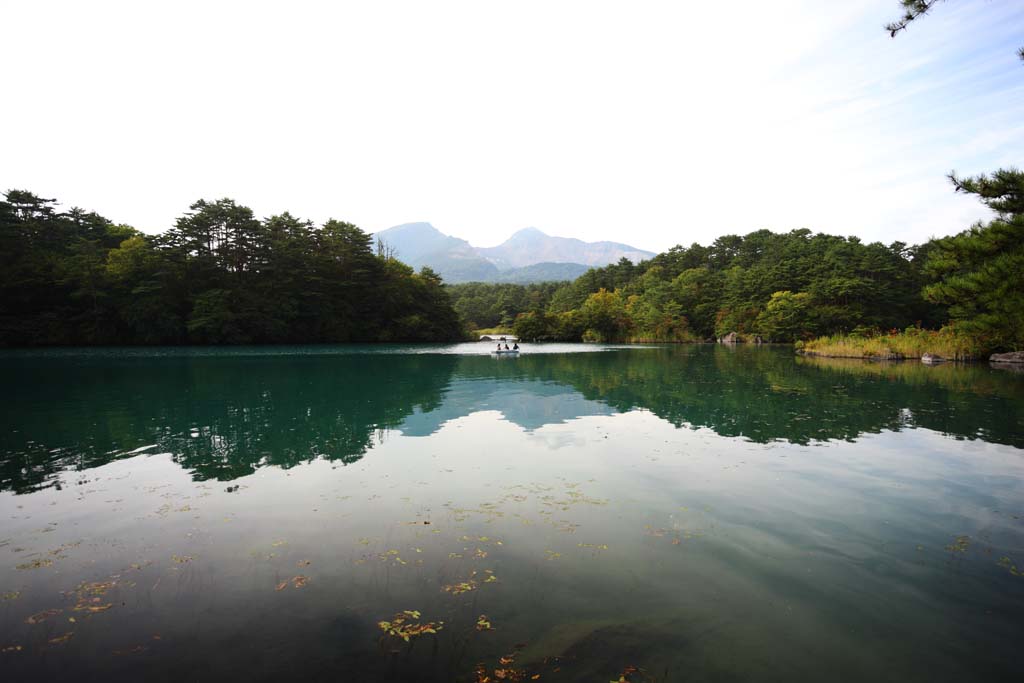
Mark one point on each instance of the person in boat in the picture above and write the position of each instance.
(515, 347)
(506, 346)
(499, 347)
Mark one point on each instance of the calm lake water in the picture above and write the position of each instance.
(701, 513)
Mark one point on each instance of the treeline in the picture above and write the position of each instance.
(779, 286)
(219, 276)
(485, 305)
(795, 286)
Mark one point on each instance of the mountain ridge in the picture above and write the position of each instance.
(528, 255)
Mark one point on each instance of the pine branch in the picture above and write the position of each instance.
(915, 9)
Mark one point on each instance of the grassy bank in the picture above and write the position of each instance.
(913, 342)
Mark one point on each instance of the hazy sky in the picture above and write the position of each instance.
(652, 123)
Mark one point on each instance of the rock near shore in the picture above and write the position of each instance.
(1012, 357)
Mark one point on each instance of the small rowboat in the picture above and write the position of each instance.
(503, 352)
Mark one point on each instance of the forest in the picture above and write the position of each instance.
(219, 276)
(222, 276)
(791, 287)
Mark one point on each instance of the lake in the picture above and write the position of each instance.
(577, 513)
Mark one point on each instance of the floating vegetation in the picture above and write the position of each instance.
(92, 609)
(9, 595)
(303, 563)
(678, 535)
(593, 546)
(60, 640)
(57, 552)
(296, 581)
(392, 556)
(552, 555)
(37, 563)
(470, 584)
(483, 624)
(1007, 564)
(461, 587)
(481, 539)
(40, 617)
(278, 544)
(182, 559)
(168, 508)
(504, 671)
(959, 544)
(631, 674)
(299, 581)
(10, 648)
(402, 626)
(90, 596)
(96, 588)
(488, 510)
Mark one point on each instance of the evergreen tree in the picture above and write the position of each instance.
(980, 271)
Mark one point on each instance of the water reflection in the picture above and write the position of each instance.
(224, 416)
(701, 512)
(221, 417)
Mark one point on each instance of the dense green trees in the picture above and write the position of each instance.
(219, 276)
(799, 285)
(484, 305)
(980, 272)
(780, 286)
(222, 276)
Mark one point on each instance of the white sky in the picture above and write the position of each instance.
(651, 123)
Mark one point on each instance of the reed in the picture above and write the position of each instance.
(949, 342)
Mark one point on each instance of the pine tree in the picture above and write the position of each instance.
(980, 271)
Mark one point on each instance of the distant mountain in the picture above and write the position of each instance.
(530, 246)
(528, 256)
(421, 244)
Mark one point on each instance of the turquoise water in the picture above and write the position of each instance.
(699, 513)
